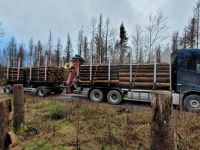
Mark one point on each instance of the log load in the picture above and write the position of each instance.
(142, 75)
(13, 74)
(53, 74)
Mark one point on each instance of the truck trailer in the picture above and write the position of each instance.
(135, 82)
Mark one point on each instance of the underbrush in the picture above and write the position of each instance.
(84, 125)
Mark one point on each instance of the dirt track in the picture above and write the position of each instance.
(128, 104)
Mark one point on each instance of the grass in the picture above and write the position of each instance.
(87, 125)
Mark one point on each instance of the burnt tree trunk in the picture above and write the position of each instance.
(162, 135)
(18, 116)
(5, 108)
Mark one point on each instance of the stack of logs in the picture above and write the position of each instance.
(54, 74)
(13, 74)
(142, 75)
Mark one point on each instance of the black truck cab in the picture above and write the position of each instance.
(185, 69)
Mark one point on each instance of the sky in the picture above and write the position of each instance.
(27, 19)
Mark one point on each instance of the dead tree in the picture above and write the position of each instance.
(18, 116)
(161, 125)
(5, 109)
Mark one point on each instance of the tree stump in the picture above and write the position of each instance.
(5, 108)
(18, 116)
(162, 135)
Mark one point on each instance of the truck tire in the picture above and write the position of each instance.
(192, 103)
(8, 88)
(114, 97)
(96, 95)
(42, 91)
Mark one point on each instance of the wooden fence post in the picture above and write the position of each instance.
(18, 116)
(5, 109)
(162, 135)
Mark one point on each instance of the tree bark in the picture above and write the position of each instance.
(5, 108)
(161, 125)
(18, 116)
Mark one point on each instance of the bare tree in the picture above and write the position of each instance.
(113, 51)
(85, 49)
(80, 41)
(1, 30)
(92, 42)
(156, 31)
(99, 41)
(175, 41)
(49, 50)
(107, 38)
(31, 48)
(191, 33)
(197, 16)
(21, 54)
(137, 41)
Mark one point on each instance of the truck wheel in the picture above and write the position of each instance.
(192, 103)
(8, 88)
(41, 92)
(96, 95)
(114, 97)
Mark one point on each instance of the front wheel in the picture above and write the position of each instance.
(96, 95)
(114, 97)
(192, 103)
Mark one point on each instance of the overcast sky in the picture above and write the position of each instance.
(34, 18)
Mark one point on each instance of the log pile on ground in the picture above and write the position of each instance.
(142, 75)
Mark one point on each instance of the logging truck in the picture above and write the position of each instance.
(117, 82)
(135, 82)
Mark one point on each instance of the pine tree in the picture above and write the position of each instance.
(123, 43)
(12, 52)
(21, 55)
(92, 42)
(38, 57)
(58, 53)
(49, 50)
(68, 50)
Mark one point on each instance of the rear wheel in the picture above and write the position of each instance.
(96, 95)
(42, 92)
(114, 97)
(192, 103)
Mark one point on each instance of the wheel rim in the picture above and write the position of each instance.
(114, 97)
(195, 103)
(41, 92)
(96, 95)
(7, 89)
